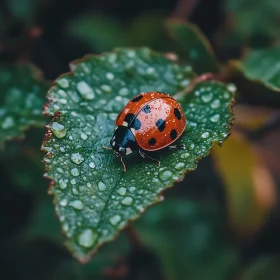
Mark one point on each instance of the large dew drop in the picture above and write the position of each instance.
(85, 90)
(165, 175)
(87, 238)
(58, 129)
(77, 158)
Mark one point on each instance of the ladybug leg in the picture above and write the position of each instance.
(181, 146)
(143, 155)
(124, 167)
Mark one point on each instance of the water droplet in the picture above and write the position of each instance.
(70, 137)
(91, 165)
(75, 172)
(115, 219)
(130, 53)
(85, 90)
(191, 147)
(150, 70)
(87, 238)
(185, 155)
(106, 88)
(59, 170)
(8, 123)
(231, 88)
(75, 191)
(63, 183)
(62, 101)
(84, 136)
(215, 104)
(184, 83)
(206, 97)
(179, 166)
(110, 76)
(123, 91)
(65, 227)
(73, 181)
(63, 82)
(127, 201)
(215, 118)
(77, 204)
(62, 149)
(132, 189)
(165, 175)
(58, 129)
(63, 202)
(77, 158)
(101, 186)
(205, 134)
(122, 191)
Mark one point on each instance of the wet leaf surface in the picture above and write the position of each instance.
(94, 198)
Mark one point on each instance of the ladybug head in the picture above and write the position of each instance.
(123, 141)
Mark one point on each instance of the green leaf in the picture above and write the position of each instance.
(195, 46)
(261, 66)
(187, 235)
(92, 193)
(259, 74)
(21, 101)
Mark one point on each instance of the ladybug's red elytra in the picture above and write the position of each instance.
(150, 121)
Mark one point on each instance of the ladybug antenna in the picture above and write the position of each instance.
(124, 167)
(107, 148)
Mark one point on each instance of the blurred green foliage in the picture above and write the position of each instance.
(200, 231)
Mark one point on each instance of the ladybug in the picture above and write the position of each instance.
(149, 122)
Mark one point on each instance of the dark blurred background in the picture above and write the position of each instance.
(204, 229)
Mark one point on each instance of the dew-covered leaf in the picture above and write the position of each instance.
(187, 235)
(249, 186)
(195, 46)
(92, 194)
(22, 98)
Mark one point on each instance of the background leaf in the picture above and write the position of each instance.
(258, 76)
(94, 198)
(21, 101)
(194, 46)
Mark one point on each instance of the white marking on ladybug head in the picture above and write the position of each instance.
(128, 151)
(125, 124)
(114, 143)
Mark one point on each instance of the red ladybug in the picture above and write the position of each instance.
(149, 122)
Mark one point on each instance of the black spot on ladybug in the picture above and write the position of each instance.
(137, 98)
(147, 109)
(173, 134)
(152, 141)
(136, 124)
(161, 124)
(177, 113)
(129, 117)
